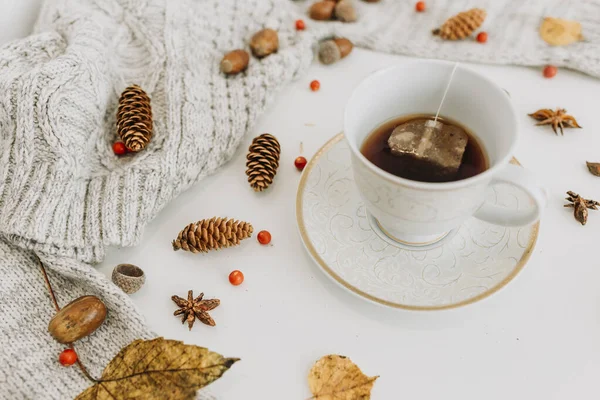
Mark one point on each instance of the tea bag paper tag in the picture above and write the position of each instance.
(425, 143)
(432, 123)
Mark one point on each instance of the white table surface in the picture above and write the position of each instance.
(538, 338)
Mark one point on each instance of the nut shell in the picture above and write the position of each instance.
(344, 45)
(322, 10)
(78, 319)
(128, 277)
(235, 62)
(264, 42)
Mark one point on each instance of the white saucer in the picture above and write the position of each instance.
(474, 263)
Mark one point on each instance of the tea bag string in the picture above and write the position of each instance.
(446, 91)
(430, 125)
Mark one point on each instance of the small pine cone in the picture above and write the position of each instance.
(212, 234)
(461, 25)
(262, 161)
(134, 118)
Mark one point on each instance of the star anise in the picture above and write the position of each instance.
(580, 206)
(558, 119)
(195, 308)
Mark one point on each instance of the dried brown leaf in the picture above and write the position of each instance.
(335, 377)
(560, 32)
(594, 168)
(158, 369)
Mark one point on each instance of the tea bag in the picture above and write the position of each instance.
(437, 145)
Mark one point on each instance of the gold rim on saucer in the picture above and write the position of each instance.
(313, 253)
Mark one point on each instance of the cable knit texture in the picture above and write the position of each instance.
(65, 196)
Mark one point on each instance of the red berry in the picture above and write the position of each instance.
(550, 71)
(236, 278)
(482, 37)
(119, 148)
(315, 85)
(300, 163)
(420, 6)
(300, 25)
(264, 237)
(68, 357)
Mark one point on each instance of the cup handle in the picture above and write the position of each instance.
(524, 180)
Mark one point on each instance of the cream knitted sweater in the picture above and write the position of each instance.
(65, 196)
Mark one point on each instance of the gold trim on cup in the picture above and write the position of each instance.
(315, 256)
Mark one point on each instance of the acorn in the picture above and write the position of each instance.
(333, 50)
(235, 62)
(264, 42)
(78, 319)
(344, 11)
(322, 10)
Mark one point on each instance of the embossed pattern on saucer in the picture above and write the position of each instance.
(478, 261)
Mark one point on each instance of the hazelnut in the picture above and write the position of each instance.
(235, 62)
(264, 42)
(333, 50)
(322, 10)
(345, 12)
(78, 319)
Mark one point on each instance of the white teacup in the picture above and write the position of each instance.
(421, 213)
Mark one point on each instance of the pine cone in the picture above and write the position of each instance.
(262, 161)
(134, 118)
(461, 25)
(212, 234)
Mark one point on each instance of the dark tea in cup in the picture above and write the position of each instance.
(443, 151)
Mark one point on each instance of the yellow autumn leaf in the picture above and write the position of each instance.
(158, 369)
(335, 377)
(560, 32)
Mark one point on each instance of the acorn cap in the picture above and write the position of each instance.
(345, 12)
(329, 52)
(128, 277)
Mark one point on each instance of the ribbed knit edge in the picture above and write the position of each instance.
(49, 211)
